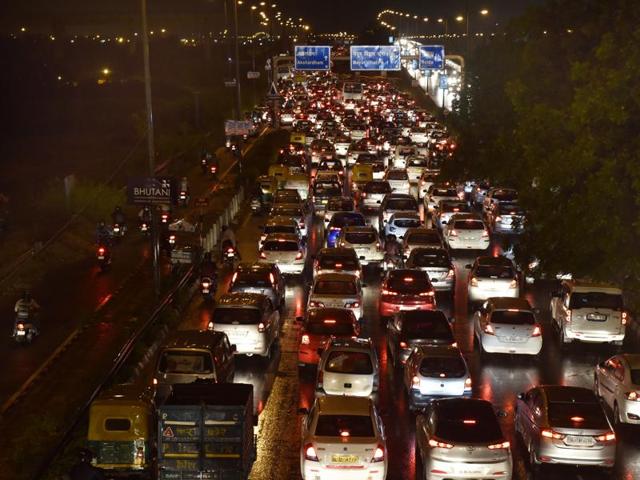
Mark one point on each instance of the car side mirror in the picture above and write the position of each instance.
(303, 411)
(300, 319)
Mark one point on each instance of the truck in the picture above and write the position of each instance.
(205, 432)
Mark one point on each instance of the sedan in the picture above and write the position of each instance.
(398, 180)
(465, 231)
(405, 290)
(365, 241)
(337, 290)
(437, 263)
(492, 277)
(617, 383)
(401, 222)
(373, 193)
(285, 250)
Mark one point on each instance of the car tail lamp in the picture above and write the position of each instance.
(513, 284)
(305, 339)
(101, 250)
(498, 219)
(547, 433)
(633, 396)
(272, 279)
(155, 381)
(352, 305)
(430, 293)
(20, 326)
(485, 234)
(537, 331)
(606, 437)
(467, 384)
(299, 256)
(433, 443)
(261, 328)
(499, 446)
(378, 455)
(315, 304)
(451, 273)
(139, 459)
(262, 254)
(415, 382)
(403, 345)
(310, 453)
(488, 329)
(474, 282)
(624, 317)
(388, 292)
(453, 233)
(210, 325)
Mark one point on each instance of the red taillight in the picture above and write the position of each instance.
(624, 318)
(537, 331)
(606, 437)
(388, 292)
(155, 381)
(101, 251)
(378, 455)
(485, 233)
(299, 256)
(428, 294)
(551, 434)
(403, 345)
(20, 326)
(261, 327)
(415, 382)
(436, 444)
(499, 446)
(310, 453)
(453, 233)
(305, 339)
(262, 254)
(467, 384)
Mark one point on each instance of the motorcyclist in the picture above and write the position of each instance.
(145, 214)
(392, 249)
(118, 216)
(27, 308)
(227, 239)
(83, 470)
(103, 234)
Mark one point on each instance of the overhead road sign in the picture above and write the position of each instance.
(375, 58)
(237, 127)
(431, 57)
(312, 57)
(151, 190)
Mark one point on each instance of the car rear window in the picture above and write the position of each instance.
(334, 262)
(467, 422)
(279, 229)
(430, 259)
(468, 225)
(377, 187)
(513, 317)
(278, 246)
(407, 222)
(344, 426)
(358, 363)
(247, 280)
(340, 205)
(443, 367)
(444, 192)
(434, 327)
(402, 204)
(325, 189)
(424, 238)
(454, 207)
(494, 271)
(185, 361)
(577, 415)
(409, 282)
(334, 287)
(240, 316)
(360, 237)
(117, 424)
(397, 175)
(596, 300)
(347, 220)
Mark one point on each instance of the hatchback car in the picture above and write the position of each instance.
(416, 165)
(507, 325)
(408, 330)
(285, 250)
(421, 238)
(343, 438)
(398, 180)
(295, 211)
(437, 263)
(446, 209)
(279, 224)
(348, 367)
(365, 242)
(437, 192)
(426, 180)
(373, 193)
(340, 220)
(466, 231)
(337, 290)
(395, 202)
(617, 383)
(404, 289)
(337, 260)
(506, 218)
(337, 204)
(400, 222)
(461, 438)
(564, 425)
(492, 277)
(263, 278)
(319, 326)
(434, 372)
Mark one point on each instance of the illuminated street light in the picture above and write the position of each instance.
(254, 7)
(484, 11)
(459, 18)
(106, 71)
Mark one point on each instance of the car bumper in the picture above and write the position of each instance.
(459, 470)
(594, 337)
(443, 285)
(455, 244)
(315, 471)
(550, 452)
(478, 294)
(629, 411)
(492, 344)
(387, 309)
(257, 347)
(368, 258)
(419, 400)
(498, 228)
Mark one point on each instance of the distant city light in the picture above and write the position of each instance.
(106, 71)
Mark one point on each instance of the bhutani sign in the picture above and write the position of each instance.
(151, 190)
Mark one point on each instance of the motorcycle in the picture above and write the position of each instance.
(183, 198)
(24, 330)
(229, 253)
(145, 228)
(256, 206)
(213, 170)
(103, 256)
(204, 164)
(208, 288)
(118, 230)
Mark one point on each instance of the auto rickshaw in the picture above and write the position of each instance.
(297, 137)
(121, 431)
(280, 172)
(361, 173)
(267, 186)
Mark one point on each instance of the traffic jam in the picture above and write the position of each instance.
(421, 348)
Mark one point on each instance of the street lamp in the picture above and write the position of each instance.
(484, 12)
(446, 25)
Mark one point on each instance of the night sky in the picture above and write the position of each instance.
(323, 15)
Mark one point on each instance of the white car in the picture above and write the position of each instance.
(365, 241)
(507, 325)
(400, 222)
(395, 202)
(419, 135)
(398, 180)
(373, 193)
(402, 153)
(416, 165)
(337, 260)
(341, 145)
(466, 232)
(446, 209)
(438, 192)
(617, 382)
(279, 224)
(492, 277)
(343, 438)
(426, 180)
(496, 196)
(285, 250)
(348, 367)
(337, 290)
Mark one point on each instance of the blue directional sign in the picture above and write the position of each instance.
(312, 57)
(431, 57)
(444, 82)
(375, 57)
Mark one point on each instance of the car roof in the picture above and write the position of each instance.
(241, 300)
(342, 405)
(359, 228)
(397, 196)
(448, 351)
(489, 260)
(350, 344)
(421, 230)
(280, 220)
(586, 286)
(569, 394)
(465, 216)
(257, 267)
(507, 303)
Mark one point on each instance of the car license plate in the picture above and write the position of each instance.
(347, 385)
(408, 307)
(579, 440)
(596, 317)
(100, 257)
(20, 333)
(344, 458)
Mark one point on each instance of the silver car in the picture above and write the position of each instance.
(373, 193)
(365, 241)
(564, 425)
(617, 383)
(461, 438)
(465, 231)
(285, 250)
(337, 290)
(401, 222)
(437, 263)
(437, 192)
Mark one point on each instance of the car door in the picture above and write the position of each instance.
(526, 407)
(606, 381)
(274, 320)
(393, 333)
(223, 360)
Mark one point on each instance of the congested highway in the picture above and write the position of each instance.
(497, 378)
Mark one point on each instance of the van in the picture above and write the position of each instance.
(249, 320)
(189, 356)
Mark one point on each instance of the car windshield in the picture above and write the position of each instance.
(596, 300)
(236, 316)
(335, 287)
(353, 220)
(408, 282)
(280, 246)
(360, 237)
(185, 362)
(402, 204)
(344, 426)
(513, 317)
(423, 238)
(397, 175)
(327, 189)
(494, 271)
(358, 363)
(467, 422)
(338, 262)
(430, 259)
(432, 325)
(468, 225)
(454, 207)
(443, 367)
(248, 280)
(577, 415)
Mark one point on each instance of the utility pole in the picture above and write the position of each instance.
(237, 61)
(155, 244)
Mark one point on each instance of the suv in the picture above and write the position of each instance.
(249, 320)
(589, 312)
(264, 278)
(348, 366)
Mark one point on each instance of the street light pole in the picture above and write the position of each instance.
(237, 61)
(155, 244)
